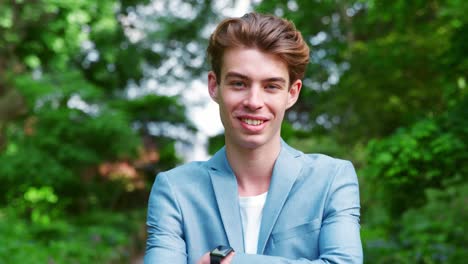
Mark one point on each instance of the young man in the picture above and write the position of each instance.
(257, 198)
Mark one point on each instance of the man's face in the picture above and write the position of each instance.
(253, 95)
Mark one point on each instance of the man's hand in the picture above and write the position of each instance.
(205, 259)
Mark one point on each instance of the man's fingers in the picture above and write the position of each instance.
(205, 259)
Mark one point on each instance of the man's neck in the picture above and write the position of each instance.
(253, 167)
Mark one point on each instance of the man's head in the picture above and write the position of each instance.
(268, 34)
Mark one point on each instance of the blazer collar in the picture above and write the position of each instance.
(225, 188)
(287, 168)
(285, 171)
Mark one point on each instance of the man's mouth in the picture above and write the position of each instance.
(252, 122)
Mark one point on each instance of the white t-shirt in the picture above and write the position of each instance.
(251, 208)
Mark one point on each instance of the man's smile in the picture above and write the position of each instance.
(252, 122)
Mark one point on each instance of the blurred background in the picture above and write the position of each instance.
(96, 97)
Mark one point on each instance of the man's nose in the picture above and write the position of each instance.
(254, 99)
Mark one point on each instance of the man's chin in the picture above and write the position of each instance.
(253, 141)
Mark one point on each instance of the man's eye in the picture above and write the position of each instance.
(272, 87)
(238, 84)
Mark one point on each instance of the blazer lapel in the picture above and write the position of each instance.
(225, 188)
(287, 168)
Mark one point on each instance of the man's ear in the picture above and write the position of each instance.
(293, 93)
(213, 86)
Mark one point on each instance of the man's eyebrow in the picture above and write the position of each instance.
(245, 77)
(275, 79)
(235, 75)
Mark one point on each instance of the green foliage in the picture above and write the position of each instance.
(436, 232)
(57, 143)
(179, 33)
(386, 88)
(169, 109)
(96, 237)
(168, 158)
(392, 73)
(215, 143)
(48, 34)
(40, 201)
(430, 154)
(65, 110)
(375, 66)
(416, 191)
(433, 233)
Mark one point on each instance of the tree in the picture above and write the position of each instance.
(386, 88)
(375, 66)
(72, 139)
(69, 63)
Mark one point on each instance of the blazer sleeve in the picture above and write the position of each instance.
(339, 240)
(165, 242)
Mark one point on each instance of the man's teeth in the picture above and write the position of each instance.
(253, 122)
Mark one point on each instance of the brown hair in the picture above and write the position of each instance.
(267, 33)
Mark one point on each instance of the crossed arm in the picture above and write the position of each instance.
(339, 240)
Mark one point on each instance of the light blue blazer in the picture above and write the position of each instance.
(311, 213)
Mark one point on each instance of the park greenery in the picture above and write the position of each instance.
(90, 97)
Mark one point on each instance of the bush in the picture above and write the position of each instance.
(430, 154)
(98, 237)
(415, 211)
(435, 233)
